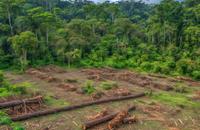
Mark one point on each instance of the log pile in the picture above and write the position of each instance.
(23, 106)
(21, 102)
(115, 119)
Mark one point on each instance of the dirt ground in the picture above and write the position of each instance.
(63, 87)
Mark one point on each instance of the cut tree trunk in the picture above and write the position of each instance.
(68, 108)
(9, 20)
(20, 102)
(92, 123)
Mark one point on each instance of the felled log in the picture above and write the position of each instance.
(20, 102)
(68, 108)
(92, 123)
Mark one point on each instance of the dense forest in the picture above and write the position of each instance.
(158, 38)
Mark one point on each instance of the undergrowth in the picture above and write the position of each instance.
(7, 89)
(51, 101)
(175, 99)
(181, 88)
(5, 120)
(88, 87)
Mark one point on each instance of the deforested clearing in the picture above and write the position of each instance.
(167, 103)
(99, 64)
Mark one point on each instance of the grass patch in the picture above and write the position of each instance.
(181, 88)
(50, 101)
(88, 87)
(175, 99)
(107, 85)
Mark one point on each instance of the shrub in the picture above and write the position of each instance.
(20, 88)
(88, 87)
(171, 64)
(132, 63)
(6, 89)
(196, 74)
(157, 67)
(185, 66)
(5, 120)
(147, 66)
(15, 126)
(165, 69)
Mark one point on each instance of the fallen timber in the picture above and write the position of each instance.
(92, 123)
(68, 108)
(20, 102)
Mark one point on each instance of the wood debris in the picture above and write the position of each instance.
(37, 99)
(98, 115)
(118, 120)
(108, 117)
(68, 87)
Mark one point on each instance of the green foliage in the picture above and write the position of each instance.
(196, 74)
(88, 87)
(147, 66)
(16, 126)
(21, 88)
(5, 120)
(6, 89)
(107, 85)
(161, 38)
(185, 66)
(24, 44)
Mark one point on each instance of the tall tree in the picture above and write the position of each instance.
(9, 9)
(24, 44)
